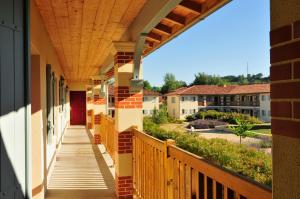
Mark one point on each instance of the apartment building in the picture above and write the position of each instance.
(248, 99)
(151, 100)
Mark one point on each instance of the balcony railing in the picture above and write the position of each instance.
(107, 131)
(162, 170)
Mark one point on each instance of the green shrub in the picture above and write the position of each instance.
(160, 116)
(226, 117)
(245, 161)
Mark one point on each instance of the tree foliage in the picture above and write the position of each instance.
(147, 85)
(170, 83)
(241, 129)
(204, 79)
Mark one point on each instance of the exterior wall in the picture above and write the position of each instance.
(264, 108)
(43, 153)
(149, 103)
(173, 108)
(188, 106)
(209, 102)
(285, 97)
(77, 86)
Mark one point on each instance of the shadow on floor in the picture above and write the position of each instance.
(80, 170)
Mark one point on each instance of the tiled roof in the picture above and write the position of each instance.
(150, 93)
(222, 90)
(145, 92)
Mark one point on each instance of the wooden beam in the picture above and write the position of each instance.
(149, 44)
(154, 37)
(164, 29)
(151, 14)
(191, 6)
(175, 18)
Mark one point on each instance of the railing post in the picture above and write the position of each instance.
(168, 165)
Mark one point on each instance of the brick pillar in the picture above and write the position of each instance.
(89, 107)
(285, 97)
(128, 113)
(98, 107)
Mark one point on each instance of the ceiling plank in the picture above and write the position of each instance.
(99, 26)
(175, 18)
(164, 29)
(60, 10)
(90, 9)
(75, 9)
(46, 11)
(192, 6)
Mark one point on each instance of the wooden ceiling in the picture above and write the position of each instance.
(82, 31)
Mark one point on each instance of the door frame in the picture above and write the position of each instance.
(70, 94)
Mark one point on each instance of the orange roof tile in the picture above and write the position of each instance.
(222, 90)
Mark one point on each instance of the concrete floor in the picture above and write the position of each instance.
(80, 170)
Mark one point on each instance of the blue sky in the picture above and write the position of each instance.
(222, 44)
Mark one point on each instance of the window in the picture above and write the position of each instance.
(268, 97)
(262, 98)
(182, 99)
(269, 112)
(173, 99)
(194, 110)
(263, 112)
(194, 99)
(144, 112)
(145, 99)
(183, 111)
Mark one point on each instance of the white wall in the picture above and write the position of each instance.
(264, 106)
(173, 107)
(149, 103)
(188, 105)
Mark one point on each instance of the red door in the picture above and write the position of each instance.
(78, 107)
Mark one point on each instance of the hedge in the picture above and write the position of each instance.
(238, 158)
(225, 117)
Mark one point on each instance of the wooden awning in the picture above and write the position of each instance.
(82, 31)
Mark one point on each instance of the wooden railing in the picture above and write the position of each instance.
(107, 132)
(162, 170)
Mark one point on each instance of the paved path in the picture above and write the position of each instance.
(80, 170)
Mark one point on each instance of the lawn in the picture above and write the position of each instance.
(262, 131)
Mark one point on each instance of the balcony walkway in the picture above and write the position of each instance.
(80, 170)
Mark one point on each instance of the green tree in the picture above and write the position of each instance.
(147, 85)
(156, 89)
(170, 83)
(160, 116)
(241, 129)
(204, 79)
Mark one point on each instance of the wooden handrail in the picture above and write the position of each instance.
(162, 170)
(107, 132)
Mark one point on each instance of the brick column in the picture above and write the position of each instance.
(128, 113)
(98, 107)
(89, 107)
(285, 97)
